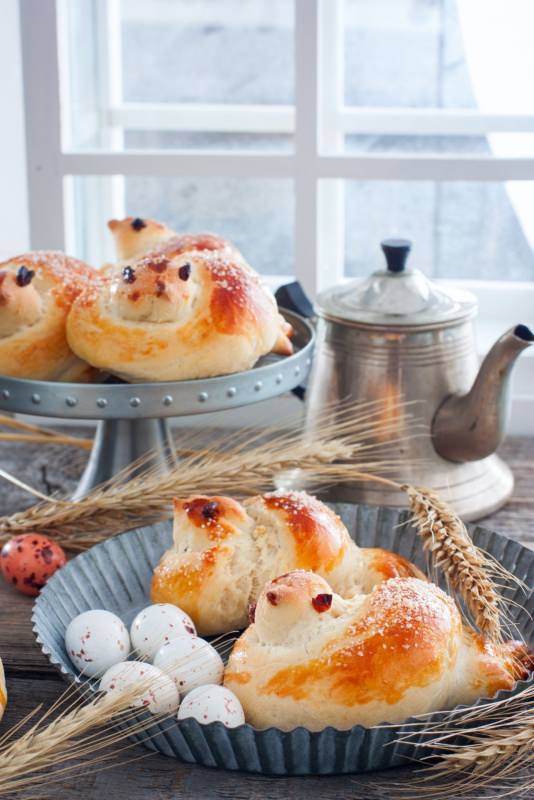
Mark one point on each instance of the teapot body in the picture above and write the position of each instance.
(414, 369)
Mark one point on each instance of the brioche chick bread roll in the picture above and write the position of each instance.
(225, 551)
(36, 293)
(173, 316)
(314, 659)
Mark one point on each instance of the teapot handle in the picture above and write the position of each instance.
(293, 297)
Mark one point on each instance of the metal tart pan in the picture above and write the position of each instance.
(116, 575)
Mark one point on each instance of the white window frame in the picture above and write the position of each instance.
(319, 120)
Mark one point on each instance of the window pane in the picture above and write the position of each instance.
(459, 230)
(395, 53)
(163, 52)
(440, 54)
(257, 215)
(208, 51)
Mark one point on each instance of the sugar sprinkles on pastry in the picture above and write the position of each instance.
(178, 306)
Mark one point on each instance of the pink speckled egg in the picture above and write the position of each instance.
(157, 624)
(29, 560)
(211, 703)
(95, 641)
(190, 661)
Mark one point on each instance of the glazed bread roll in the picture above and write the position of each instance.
(135, 237)
(312, 658)
(174, 315)
(225, 552)
(36, 293)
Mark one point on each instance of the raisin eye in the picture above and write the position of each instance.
(24, 276)
(322, 602)
(138, 224)
(252, 613)
(184, 272)
(128, 274)
(210, 510)
(272, 597)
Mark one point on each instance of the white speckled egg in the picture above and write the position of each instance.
(95, 640)
(155, 625)
(212, 703)
(160, 695)
(190, 661)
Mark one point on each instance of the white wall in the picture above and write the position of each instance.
(14, 235)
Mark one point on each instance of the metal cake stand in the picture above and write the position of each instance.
(132, 417)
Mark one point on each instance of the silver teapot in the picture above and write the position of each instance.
(398, 336)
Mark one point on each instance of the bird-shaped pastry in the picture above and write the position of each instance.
(36, 293)
(225, 551)
(188, 307)
(314, 659)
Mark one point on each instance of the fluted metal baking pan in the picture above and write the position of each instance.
(116, 575)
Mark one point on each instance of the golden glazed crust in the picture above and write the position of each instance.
(33, 314)
(314, 659)
(174, 316)
(224, 553)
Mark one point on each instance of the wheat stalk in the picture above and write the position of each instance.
(37, 434)
(43, 438)
(74, 733)
(243, 464)
(495, 756)
(496, 749)
(468, 571)
(47, 750)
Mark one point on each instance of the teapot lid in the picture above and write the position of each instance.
(397, 295)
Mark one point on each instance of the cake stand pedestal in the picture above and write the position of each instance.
(132, 417)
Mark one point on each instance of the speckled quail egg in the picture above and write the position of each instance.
(190, 661)
(212, 703)
(29, 560)
(157, 624)
(95, 640)
(159, 692)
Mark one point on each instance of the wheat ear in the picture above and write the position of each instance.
(466, 568)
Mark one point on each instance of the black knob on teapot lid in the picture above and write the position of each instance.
(396, 252)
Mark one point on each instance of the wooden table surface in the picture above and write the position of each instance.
(32, 680)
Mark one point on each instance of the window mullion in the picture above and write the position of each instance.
(43, 123)
(112, 188)
(306, 142)
(431, 121)
(331, 193)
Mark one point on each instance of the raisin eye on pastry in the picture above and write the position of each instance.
(382, 657)
(225, 551)
(36, 293)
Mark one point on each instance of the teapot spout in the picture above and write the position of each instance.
(471, 426)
